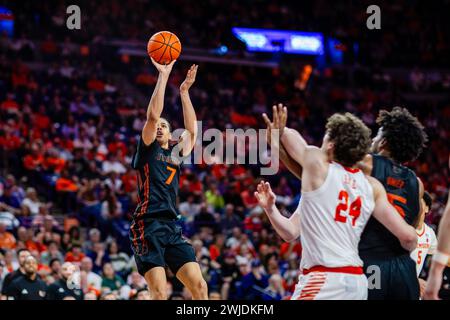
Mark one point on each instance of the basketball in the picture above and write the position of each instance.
(164, 47)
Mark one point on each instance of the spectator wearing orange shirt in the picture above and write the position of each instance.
(75, 255)
(66, 188)
(35, 159)
(26, 239)
(7, 240)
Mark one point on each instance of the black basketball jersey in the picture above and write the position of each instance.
(402, 189)
(158, 181)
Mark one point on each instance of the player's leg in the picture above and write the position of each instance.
(157, 283)
(180, 257)
(190, 276)
(149, 256)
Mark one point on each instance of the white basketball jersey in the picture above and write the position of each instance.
(333, 217)
(426, 241)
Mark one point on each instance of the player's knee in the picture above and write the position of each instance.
(201, 287)
(158, 293)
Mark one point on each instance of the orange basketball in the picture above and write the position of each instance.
(164, 47)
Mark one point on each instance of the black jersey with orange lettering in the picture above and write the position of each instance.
(402, 189)
(158, 181)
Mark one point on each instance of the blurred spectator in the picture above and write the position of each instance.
(110, 279)
(120, 261)
(75, 255)
(7, 239)
(93, 280)
(65, 286)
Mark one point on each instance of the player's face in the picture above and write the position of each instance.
(162, 131)
(376, 142)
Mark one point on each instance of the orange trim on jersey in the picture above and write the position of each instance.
(142, 233)
(419, 235)
(351, 170)
(135, 244)
(146, 191)
(346, 269)
(313, 286)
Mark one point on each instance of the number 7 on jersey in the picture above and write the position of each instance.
(172, 174)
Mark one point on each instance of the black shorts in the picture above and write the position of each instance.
(158, 243)
(398, 279)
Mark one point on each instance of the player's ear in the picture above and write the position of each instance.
(382, 144)
(330, 146)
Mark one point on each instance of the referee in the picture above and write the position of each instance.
(29, 286)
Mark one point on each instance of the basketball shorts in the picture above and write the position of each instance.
(331, 286)
(159, 243)
(398, 278)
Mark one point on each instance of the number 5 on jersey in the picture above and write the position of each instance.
(172, 174)
(343, 210)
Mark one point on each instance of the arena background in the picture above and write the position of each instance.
(72, 104)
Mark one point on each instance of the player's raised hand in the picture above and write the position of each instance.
(265, 196)
(279, 120)
(190, 78)
(163, 69)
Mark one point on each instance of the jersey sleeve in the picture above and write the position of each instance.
(143, 152)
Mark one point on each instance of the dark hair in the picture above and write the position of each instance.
(404, 134)
(21, 250)
(427, 198)
(53, 261)
(351, 138)
(74, 229)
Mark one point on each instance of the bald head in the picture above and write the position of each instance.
(86, 264)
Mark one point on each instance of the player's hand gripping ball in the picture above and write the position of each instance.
(164, 47)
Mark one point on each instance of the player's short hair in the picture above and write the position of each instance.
(351, 138)
(404, 134)
(427, 198)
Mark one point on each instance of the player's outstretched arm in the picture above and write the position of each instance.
(156, 104)
(190, 119)
(440, 257)
(279, 123)
(386, 214)
(298, 149)
(287, 228)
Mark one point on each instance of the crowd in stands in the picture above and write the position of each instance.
(68, 132)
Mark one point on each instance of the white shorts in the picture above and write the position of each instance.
(331, 286)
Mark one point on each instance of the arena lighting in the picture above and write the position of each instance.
(269, 40)
(6, 21)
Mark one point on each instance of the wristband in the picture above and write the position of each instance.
(440, 257)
